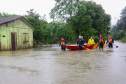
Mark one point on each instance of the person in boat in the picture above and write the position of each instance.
(101, 41)
(81, 42)
(91, 41)
(110, 41)
(63, 43)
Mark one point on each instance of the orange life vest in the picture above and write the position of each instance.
(110, 40)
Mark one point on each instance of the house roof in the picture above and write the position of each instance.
(4, 20)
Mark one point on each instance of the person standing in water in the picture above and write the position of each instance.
(110, 41)
(63, 43)
(101, 42)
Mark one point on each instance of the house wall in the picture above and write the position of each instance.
(24, 35)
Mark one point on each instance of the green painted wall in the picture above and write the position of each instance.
(24, 35)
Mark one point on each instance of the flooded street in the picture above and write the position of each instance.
(50, 65)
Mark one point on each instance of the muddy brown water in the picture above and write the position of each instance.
(50, 65)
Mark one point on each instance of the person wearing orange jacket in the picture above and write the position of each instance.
(110, 41)
(101, 41)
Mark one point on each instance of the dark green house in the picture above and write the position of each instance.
(15, 33)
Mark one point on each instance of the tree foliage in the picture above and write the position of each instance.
(38, 25)
(90, 19)
(84, 17)
(119, 30)
(64, 9)
(45, 32)
(58, 30)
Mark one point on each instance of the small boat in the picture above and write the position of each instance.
(73, 47)
(85, 47)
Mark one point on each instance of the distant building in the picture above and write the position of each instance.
(15, 33)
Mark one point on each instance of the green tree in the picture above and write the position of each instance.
(90, 19)
(58, 29)
(38, 25)
(119, 30)
(64, 9)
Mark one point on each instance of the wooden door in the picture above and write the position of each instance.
(13, 40)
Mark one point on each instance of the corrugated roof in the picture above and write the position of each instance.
(4, 20)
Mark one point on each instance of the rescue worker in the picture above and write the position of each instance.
(81, 41)
(101, 41)
(110, 41)
(63, 44)
(91, 41)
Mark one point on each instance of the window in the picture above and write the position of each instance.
(25, 38)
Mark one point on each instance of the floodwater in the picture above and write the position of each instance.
(50, 65)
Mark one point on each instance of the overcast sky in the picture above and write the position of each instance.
(112, 7)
